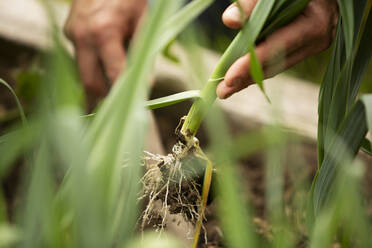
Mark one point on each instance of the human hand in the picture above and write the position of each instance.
(98, 30)
(309, 34)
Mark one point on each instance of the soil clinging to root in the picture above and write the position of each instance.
(171, 190)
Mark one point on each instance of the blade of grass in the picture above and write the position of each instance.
(364, 51)
(347, 141)
(336, 220)
(274, 191)
(19, 105)
(283, 15)
(172, 99)
(367, 147)
(367, 101)
(257, 72)
(347, 12)
(117, 133)
(326, 90)
(15, 143)
(234, 213)
(181, 19)
(343, 78)
(36, 216)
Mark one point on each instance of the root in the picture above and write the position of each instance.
(176, 187)
(172, 186)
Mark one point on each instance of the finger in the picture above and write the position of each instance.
(223, 91)
(233, 18)
(292, 59)
(137, 19)
(275, 48)
(112, 54)
(90, 70)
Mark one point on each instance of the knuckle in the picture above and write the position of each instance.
(327, 33)
(78, 32)
(99, 27)
(324, 32)
(95, 29)
(322, 26)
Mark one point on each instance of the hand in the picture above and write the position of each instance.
(309, 34)
(98, 29)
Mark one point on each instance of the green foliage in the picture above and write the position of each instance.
(81, 185)
(28, 84)
(173, 99)
(19, 105)
(98, 195)
(266, 12)
(341, 115)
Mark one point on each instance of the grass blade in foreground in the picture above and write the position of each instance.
(346, 143)
(233, 212)
(172, 99)
(119, 128)
(181, 19)
(19, 105)
(341, 120)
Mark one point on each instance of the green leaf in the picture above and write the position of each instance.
(367, 101)
(286, 14)
(167, 53)
(367, 146)
(28, 85)
(345, 145)
(180, 20)
(19, 105)
(15, 143)
(363, 52)
(347, 13)
(257, 72)
(343, 77)
(326, 90)
(117, 132)
(233, 211)
(172, 99)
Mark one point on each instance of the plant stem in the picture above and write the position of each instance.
(241, 44)
(254, 29)
(205, 192)
(208, 94)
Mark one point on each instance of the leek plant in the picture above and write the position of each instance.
(95, 201)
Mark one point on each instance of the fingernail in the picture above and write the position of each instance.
(220, 90)
(223, 91)
(233, 14)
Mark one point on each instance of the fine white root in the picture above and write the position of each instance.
(176, 186)
(167, 180)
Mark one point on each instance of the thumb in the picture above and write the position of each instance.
(233, 16)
